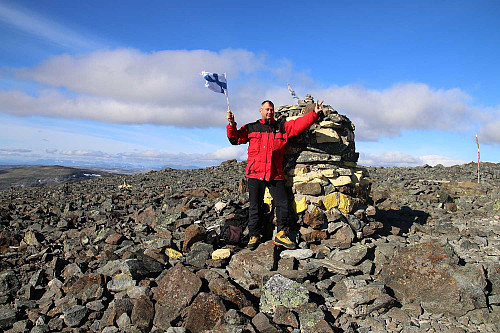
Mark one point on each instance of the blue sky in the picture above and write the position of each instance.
(117, 82)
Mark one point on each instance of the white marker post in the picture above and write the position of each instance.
(478, 157)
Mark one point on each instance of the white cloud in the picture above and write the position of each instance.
(229, 153)
(86, 153)
(402, 159)
(490, 133)
(27, 21)
(405, 106)
(444, 160)
(161, 78)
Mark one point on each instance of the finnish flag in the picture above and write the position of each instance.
(215, 82)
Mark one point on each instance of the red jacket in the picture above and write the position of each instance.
(267, 144)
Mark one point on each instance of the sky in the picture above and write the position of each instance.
(118, 84)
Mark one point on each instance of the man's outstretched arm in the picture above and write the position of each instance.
(297, 126)
(235, 136)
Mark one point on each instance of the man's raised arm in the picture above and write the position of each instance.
(235, 136)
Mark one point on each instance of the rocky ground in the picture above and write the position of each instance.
(91, 256)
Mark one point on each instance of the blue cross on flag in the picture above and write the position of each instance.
(215, 82)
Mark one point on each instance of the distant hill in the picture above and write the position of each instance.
(35, 176)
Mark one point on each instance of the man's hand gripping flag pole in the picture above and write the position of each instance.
(216, 82)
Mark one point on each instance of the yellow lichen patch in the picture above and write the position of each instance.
(345, 203)
(300, 205)
(221, 254)
(173, 253)
(331, 200)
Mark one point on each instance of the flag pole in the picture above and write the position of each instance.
(227, 94)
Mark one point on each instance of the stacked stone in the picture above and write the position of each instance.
(321, 169)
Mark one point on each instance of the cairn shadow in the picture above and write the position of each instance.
(400, 220)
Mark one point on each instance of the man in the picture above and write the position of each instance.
(267, 139)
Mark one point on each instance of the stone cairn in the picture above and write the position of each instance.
(329, 192)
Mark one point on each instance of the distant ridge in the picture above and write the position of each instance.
(36, 176)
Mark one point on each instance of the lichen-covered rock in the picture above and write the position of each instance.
(87, 288)
(205, 311)
(280, 290)
(227, 291)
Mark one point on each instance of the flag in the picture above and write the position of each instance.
(215, 82)
(292, 92)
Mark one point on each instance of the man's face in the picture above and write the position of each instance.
(267, 111)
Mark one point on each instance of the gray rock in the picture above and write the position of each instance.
(121, 282)
(21, 326)
(359, 298)
(199, 255)
(250, 268)
(8, 285)
(297, 254)
(7, 317)
(142, 267)
(124, 322)
(138, 291)
(176, 330)
(75, 315)
(351, 256)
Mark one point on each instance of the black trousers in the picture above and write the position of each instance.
(256, 190)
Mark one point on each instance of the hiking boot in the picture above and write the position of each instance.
(253, 242)
(282, 239)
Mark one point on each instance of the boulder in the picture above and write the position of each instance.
(174, 292)
(280, 290)
(205, 311)
(429, 273)
(251, 269)
(359, 298)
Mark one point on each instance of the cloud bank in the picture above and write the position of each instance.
(165, 88)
